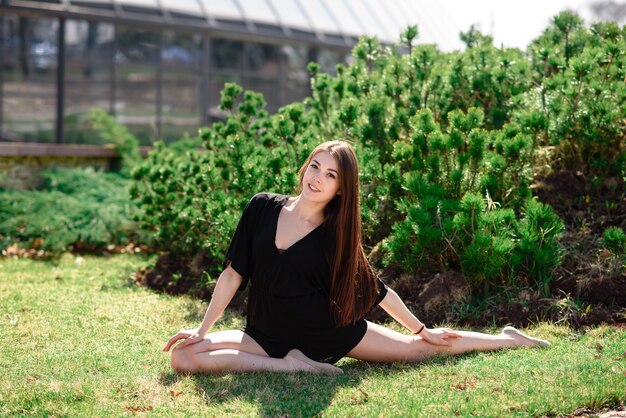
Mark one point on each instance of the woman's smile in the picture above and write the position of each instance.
(321, 176)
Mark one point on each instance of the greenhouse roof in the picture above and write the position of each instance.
(327, 22)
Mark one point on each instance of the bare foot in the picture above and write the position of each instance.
(523, 339)
(311, 366)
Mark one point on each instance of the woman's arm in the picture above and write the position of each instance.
(225, 288)
(395, 307)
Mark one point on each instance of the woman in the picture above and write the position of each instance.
(311, 287)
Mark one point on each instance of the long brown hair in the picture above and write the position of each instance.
(353, 287)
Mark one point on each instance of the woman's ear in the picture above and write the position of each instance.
(338, 192)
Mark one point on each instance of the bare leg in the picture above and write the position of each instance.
(229, 360)
(384, 345)
(236, 351)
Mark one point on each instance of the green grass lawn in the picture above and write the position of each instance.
(80, 339)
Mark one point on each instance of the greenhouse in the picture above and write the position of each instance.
(159, 65)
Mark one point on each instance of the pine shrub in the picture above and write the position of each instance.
(614, 240)
(446, 145)
(192, 199)
(451, 219)
(117, 135)
(537, 244)
(81, 209)
(578, 102)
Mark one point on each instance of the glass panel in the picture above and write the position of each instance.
(136, 81)
(189, 7)
(390, 30)
(405, 15)
(298, 82)
(444, 29)
(399, 14)
(349, 25)
(319, 16)
(328, 60)
(182, 84)
(254, 66)
(29, 73)
(226, 63)
(108, 4)
(263, 71)
(222, 8)
(11, 50)
(419, 17)
(227, 54)
(262, 59)
(88, 83)
(268, 87)
(148, 4)
(367, 22)
(258, 11)
(290, 14)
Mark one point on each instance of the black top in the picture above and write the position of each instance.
(289, 302)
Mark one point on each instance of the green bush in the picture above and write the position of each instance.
(451, 219)
(117, 135)
(579, 95)
(80, 209)
(193, 199)
(536, 243)
(615, 240)
(445, 143)
(486, 77)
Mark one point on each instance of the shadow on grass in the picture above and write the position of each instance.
(286, 394)
(294, 394)
(194, 310)
(275, 394)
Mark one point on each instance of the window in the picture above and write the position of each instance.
(258, 11)
(222, 9)
(347, 20)
(88, 76)
(29, 71)
(136, 60)
(319, 16)
(181, 84)
(185, 7)
(290, 14)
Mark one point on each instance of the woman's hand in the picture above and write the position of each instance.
(439, 336)
(189, 336)
(225, 288)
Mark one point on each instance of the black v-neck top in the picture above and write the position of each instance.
(288, 302)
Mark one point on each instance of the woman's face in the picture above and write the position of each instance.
(321, 178)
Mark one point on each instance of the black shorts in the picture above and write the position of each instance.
(325, 350)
